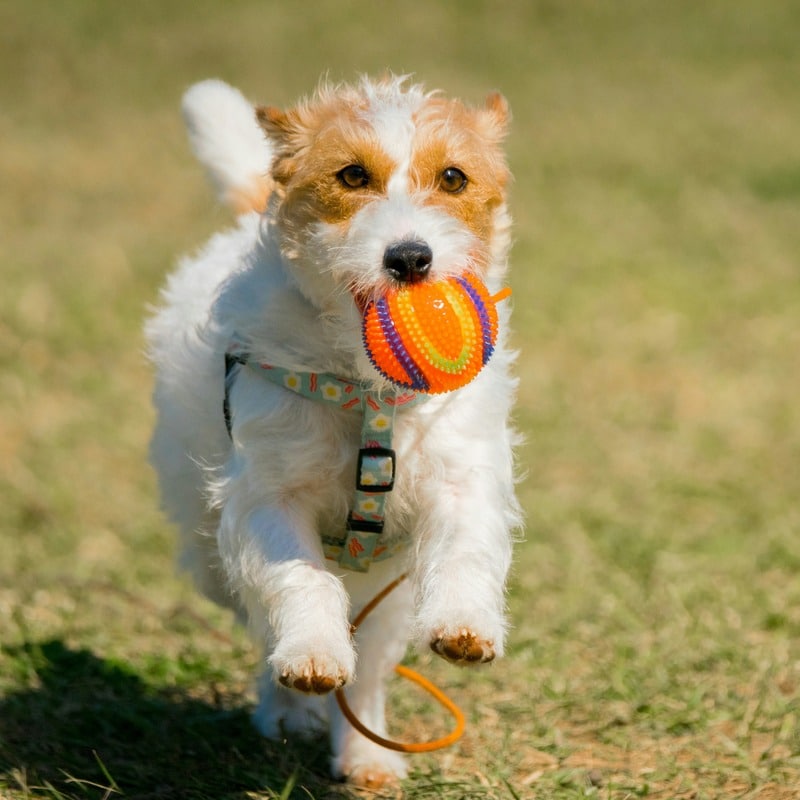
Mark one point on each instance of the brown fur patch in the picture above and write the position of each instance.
(253, 198)
(315, 183)
(313, 145)
(449, 134)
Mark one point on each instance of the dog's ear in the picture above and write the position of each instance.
(495, 116)
(281, 129)
(274, 121)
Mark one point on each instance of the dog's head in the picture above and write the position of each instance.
(381, 184)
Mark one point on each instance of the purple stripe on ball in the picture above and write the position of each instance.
(417, 380)
(483, 316)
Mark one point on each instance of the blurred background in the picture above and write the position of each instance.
(656, 154)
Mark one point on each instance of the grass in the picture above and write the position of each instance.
(656, 601)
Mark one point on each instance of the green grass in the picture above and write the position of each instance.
(656, 601)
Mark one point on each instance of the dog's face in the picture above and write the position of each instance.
(384, 184)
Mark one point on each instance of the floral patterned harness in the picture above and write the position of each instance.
(360, 543)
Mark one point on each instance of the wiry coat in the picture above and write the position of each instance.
(292, 280)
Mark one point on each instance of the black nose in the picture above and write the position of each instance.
(408, 261)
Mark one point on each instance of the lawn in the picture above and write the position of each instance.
(655, 602)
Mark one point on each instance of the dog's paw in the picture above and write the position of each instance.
(463, 647)
(380, 771)
(313, 674)
(280, 712)
(373, 777)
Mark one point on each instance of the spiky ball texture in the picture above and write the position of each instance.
(432, 336)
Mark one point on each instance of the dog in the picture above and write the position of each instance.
(355, 190)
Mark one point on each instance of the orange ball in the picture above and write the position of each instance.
(432, 336)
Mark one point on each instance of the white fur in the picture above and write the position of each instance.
(224, 138)
(251, 510)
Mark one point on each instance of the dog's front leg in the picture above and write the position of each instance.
(299, 609)
(462, 563)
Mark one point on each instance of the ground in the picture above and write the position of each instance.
(655, 600)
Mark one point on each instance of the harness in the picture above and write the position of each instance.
(360, 544)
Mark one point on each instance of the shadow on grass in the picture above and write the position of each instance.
(88, 725)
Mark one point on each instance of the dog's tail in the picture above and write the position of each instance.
(228, 141)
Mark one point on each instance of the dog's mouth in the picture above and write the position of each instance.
(364, 293)
(362, 297)
(362, 300)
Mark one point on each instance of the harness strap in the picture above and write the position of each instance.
(360, 543)
(233, 361)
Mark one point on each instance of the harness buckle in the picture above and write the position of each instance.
(375, 472)
(364, 525)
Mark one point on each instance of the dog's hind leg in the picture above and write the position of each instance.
(280, 710)
(381, 643)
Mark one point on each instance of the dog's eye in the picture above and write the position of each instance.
(452, 180)
(353, 176)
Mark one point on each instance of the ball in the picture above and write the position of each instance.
(432, 336)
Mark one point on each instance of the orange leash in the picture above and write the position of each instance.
(415, 677)
(504, 293)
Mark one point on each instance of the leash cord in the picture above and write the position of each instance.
(414, 677)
